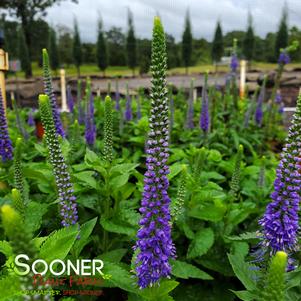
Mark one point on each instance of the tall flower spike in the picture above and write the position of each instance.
(234, 184)
(172, 111)
(261, 177)
(128, 106)
(20, 238)
(49, 91)
(138, 101)
(80, 111)
(30, 119)
(90, 130)
(6, 149)
(274, 288)
(260, 100)
(18, 171)
(154, 244)
(189, 116)
(67, 200)
(108, 130)
(280, 223)
(205, 118)
(19, 122)
(70, 101)
(117, 96)
(18, 202)
(178, 204)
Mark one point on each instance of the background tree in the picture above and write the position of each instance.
(131, 49)
(53, 51)
(295, 35)
(173, 51)
(249, 41)
(187, 43)
(101, 49)
(77, 49)
(144, 55)
(116, 46)
(217, 49)
(282, 34)
(65, 44)
(23, 54)
(26, 11)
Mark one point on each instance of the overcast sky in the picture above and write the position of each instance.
(204, 14)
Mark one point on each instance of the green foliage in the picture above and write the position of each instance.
(101, 48)
(23, 54)
(217, 49)
(131, 48)
(187, 42)
(282, 35)
(77, 48)
(53, 50)
(249, 41)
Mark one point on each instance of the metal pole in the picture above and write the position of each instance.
(3, 67)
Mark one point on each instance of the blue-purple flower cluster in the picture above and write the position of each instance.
(190, 111)
(259, 110)
(90, 130)
(128, 115)
(204, 117)
(6, 149)
(284, 58)
(154, 244)
(70, 101)
(234, 63)
(67, 200)
(280, 224)
(30, 119)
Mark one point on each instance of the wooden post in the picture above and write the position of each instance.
(242, 85)
(63, 91)
(3, 68)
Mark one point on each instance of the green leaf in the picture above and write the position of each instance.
(87, 177)
(245, 295)
(117, 182)
(244, 271)
(113, 256)
(214, 156)
(119, 278)
(207, 175)
(156, 293)
(59, 243)
(34, 215)
(5, 248)
(209, 212)
(91, 158)
(85, 231)
(244, 236)
(9, 287)
(174, 170)
(186, 270)
(123, 168)
(116, 227)
(201, 243)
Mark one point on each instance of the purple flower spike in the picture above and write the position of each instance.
(154, 244)
(128, 115)
(278, 98)
(6, 149)
(205, 118)
(284, 58)
(30, 120)
(280, 223)
(90, 131)
(234, 63)
(70, 101)
(259, 111)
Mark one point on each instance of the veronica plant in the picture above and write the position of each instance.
(108, 130)
(67, 200)
(6, 149)
(280, 223)
(154, 245)
(205, 117)
(128, 115)
(189, 115)
(49, 91)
